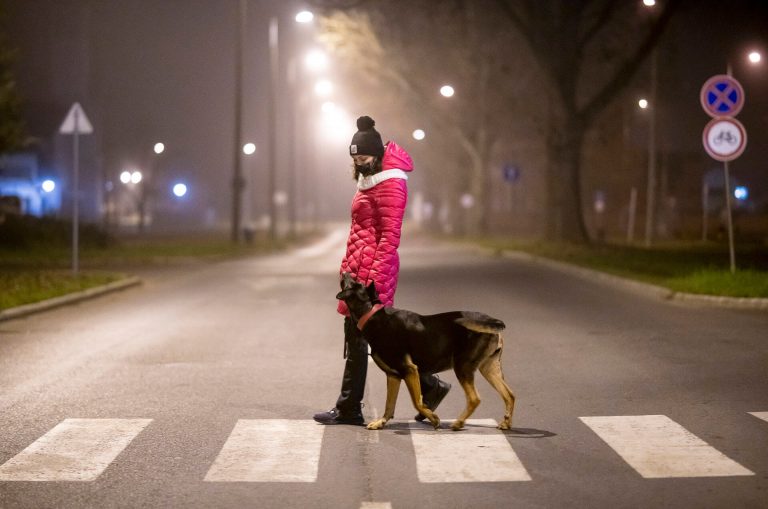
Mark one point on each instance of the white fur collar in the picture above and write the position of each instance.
(364, 183)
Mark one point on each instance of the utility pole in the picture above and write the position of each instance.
(237, 178)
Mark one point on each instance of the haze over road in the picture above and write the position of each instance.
(197, 390)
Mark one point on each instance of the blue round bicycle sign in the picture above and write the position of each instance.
(722, 96)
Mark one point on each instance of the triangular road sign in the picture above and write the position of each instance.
(76, 121)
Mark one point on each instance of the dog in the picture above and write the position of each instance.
(404, 343)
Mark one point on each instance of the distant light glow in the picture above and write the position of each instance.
(755, 57)
(643, 103)
(304, 17)
(649, 3)
(316, 60)
(179, 190)
(741, 193)
(49, 186)
(323, 88)
(136, 177)
(159, 148)
(328, 107)
(249, 148)
(447, 91)
(125, 177)
(418, 134)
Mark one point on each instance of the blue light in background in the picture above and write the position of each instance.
(741, 193)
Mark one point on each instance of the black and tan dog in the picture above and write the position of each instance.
(404, 343)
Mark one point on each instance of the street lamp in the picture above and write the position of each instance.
(642, 103)
(447, 91)
(323, 88)
(316, 60)
(419, 134)
(179, 190)
(249, 149)
(754, 57)
(304, 17)
(159, 148)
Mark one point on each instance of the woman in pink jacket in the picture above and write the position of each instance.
(377, 216)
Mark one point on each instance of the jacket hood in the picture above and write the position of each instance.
(395, 157)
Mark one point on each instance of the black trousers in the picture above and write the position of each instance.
(356, 369)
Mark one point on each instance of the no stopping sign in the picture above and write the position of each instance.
(724, 138)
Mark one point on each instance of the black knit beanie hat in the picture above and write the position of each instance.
(367, 140)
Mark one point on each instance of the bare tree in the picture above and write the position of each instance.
(404, 51)
(12, 136)
(588, 51)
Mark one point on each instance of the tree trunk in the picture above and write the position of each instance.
(566, 214)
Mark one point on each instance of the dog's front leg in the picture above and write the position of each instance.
(393, 387)
(414, 389)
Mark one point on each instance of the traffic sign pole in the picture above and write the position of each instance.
(731, 250)
(76, 199)
(75, 123)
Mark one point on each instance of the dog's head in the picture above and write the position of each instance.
(359, 298)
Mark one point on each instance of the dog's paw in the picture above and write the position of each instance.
(377, 424)
(457, 425)
(505, 424)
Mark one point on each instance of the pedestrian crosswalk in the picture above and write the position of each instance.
(281, 450)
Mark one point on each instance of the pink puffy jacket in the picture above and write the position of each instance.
(377, 215)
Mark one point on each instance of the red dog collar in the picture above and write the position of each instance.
(363, 319)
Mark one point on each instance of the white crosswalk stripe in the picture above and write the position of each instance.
(74, 450)
(480, 453)
(656, 447)
(279, 450)
(269, 450)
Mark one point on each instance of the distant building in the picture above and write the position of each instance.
(23, 190)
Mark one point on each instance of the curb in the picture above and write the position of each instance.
(647, 289)
(37, 307)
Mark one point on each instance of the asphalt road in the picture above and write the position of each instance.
(196, 390)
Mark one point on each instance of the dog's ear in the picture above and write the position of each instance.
(372, 293)
(344, 294)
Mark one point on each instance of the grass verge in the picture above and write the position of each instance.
(689, 268)
(38, 271)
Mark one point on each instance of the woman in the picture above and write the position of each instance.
(377, 216)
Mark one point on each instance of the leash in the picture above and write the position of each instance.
(364, 319)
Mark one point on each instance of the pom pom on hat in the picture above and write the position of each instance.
(367, 140)
(365, 123)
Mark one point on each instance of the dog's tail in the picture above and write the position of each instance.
(480, 322)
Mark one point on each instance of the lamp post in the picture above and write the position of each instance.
(238, 183)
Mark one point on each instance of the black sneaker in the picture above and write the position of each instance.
(333, 416)
(434, 397)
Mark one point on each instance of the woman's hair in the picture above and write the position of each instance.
(376, 168)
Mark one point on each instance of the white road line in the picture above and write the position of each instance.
(269, 450)
(760, 415)
(656, 446)
(74, 450)
(477, 454)
(376, 505)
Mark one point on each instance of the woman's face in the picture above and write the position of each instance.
(362, 160)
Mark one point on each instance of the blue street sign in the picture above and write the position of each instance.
(722, 96)
(511, 173)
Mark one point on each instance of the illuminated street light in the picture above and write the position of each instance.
(447, 91)
(49, 186)
(316, 60)
(249, 148)
(649, 3)
(125, 177)
(741, 193)
(136, 177)
(643, 103)
(323, 87)
(304, 17)
(159, 148)
(418, 134)
(755, 57)
(179, 190)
